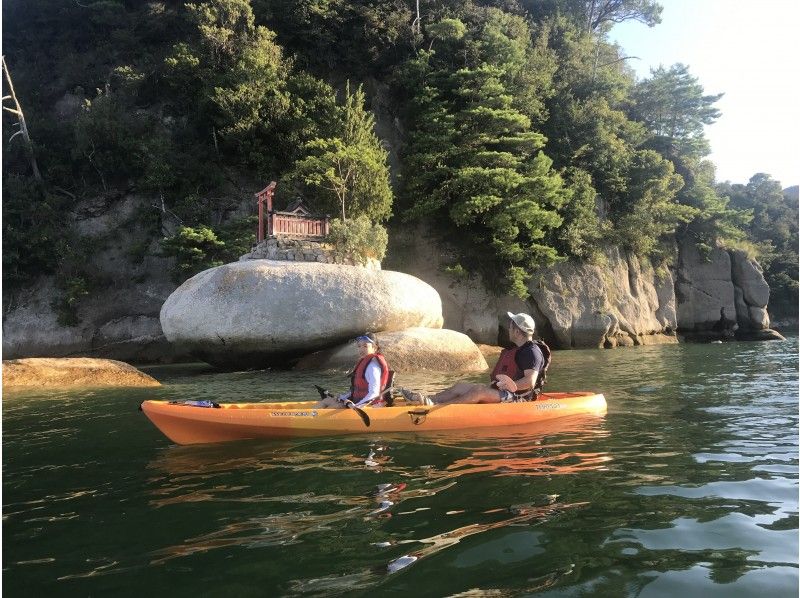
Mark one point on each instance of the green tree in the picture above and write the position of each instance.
(359, 238)
(589, 132)
(652, 211)
(774, 228)
(672, 104)
(199, 248)
(596, 15)
(474, 162)
(359, 37)
(347, 174)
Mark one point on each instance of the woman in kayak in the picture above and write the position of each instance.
(514, 378)
(367, 381)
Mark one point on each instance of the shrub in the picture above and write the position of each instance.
(359, 238)
(200, 248)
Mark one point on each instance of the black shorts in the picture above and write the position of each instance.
(506, 396)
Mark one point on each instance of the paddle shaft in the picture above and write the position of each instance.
(349, 404)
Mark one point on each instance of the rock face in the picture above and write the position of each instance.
(703, 287)
(410, 350)
(622, 303)
(117, 321)
(732, 282)
(72, 372)
(259, 312)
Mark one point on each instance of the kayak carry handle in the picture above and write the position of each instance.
(418, 416)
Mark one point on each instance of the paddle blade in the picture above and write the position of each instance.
(363, 415)
(323, 393)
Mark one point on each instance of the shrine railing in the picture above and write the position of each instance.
(298, 226)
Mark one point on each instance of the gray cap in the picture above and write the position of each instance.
(523, 321)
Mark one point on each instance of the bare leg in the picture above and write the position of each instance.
(449, 394)
(329, 403)
(477, 393)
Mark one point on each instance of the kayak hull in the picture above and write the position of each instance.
(186, 424)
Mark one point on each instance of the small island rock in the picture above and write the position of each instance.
(66, 372)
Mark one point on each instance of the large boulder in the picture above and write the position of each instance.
(260, 312)
(721, 293)
(72, 372)
(748, 275)
(409, 350)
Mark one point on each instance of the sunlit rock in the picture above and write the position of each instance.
(410, 350)
(623, 302)
(44, 372)
(260, 312)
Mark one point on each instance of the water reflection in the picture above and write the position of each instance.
(688, 485)
(516, 515)
(238, 473)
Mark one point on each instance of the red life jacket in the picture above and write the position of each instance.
(359, 386)
(507, 365)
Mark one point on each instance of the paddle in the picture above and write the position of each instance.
(324, 394)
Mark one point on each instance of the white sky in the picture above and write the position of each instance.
(746, 50)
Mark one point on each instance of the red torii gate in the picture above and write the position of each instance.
(265, 197)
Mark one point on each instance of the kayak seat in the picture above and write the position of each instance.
(388, 393)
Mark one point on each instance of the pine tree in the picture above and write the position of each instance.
(475, 163)
(347, 174)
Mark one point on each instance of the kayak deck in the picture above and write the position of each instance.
(188, 424)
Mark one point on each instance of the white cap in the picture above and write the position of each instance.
(523, 321)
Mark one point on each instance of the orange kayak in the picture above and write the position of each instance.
(190, 424)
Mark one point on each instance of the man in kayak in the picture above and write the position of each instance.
(367, 381)
(516, 377)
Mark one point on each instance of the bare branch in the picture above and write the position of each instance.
(23, 129)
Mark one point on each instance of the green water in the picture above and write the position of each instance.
(687, 487)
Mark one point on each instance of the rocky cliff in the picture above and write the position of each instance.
(620, 302)
(117, 321)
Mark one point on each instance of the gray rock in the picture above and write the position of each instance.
(262, 312)
(742, 309)
(31, 328)
(759, 318)
(759, 335)
(622, 302)
(748, 276)
(409, 350)
(619, 303)
(703, 286)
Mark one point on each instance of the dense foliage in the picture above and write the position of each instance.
(524, 136)
(345, 173)
(774, 228)
(359, 237)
